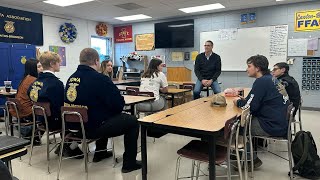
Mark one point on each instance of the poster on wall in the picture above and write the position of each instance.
(252, 17)
(123, 34)
(307, 20)
(61, 51)
(144, 42)
(244, 18)
(177, 56)
(18, 26)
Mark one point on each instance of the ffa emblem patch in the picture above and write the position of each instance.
(72, 92)
(34, 95)
(23, 60)
(9, 27)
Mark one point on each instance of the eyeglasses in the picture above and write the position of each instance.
(274, 69)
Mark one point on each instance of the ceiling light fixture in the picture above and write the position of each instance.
(65, 3)
(202, 8)
(133, 17)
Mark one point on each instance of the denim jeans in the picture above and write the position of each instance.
(198, 88)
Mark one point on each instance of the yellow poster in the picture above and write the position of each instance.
(144, 42)
(194, 55)
(307, 20)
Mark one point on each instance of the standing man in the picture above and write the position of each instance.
(207, 69)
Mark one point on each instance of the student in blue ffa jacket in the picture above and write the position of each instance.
(207, 69)
(48, 88)
(89, 88)
(267, 100)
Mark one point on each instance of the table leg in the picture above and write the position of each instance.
(212, 157)
(132, 110)
(172, 101)
(10, 123)
(208, 91)
(144, 152)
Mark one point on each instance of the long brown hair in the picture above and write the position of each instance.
(104, 69)
(152, 68)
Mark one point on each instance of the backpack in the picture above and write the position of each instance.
(305, 157)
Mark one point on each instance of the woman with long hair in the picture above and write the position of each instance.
(106, 68)
(155, 81)
(32, 68)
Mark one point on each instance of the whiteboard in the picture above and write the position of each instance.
(235, 46)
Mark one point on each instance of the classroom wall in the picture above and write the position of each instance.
(86, 29)
(266, 16)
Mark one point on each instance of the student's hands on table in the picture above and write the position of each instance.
(235, 100)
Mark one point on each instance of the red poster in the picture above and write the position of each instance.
(123, 34)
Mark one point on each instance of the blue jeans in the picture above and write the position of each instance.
(198, 88)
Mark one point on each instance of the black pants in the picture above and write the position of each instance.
(122, 124)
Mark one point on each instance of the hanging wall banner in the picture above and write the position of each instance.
(18, 26)
(122, 34)
(307, 20)
(144, 42)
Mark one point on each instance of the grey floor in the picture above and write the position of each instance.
(161, 160)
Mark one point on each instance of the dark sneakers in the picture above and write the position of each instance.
(67, 152)
(131, 168)
(99, 156)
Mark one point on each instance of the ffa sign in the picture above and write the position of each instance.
(123, 34)
(307, 20)
(20, 27)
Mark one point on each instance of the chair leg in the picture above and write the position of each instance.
(229, 164)
(290, 159)
(85, 149)
(177, 168)
(60, 156)
(198, 170)
(55, 139)
(238, 162)
(251, 156)
(192, 169)
(113, 153)
(6, 121)
(32, 139)
(48, 152)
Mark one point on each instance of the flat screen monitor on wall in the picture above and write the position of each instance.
(175, 34)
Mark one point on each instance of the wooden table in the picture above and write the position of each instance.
(12, 93)
(171, 92)
(126, 82)
(195, 119)
(133, 100)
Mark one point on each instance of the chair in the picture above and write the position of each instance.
(13, 103)
(42, 109)
(5, 118)
(197, 150)
(77, 115)
(287, 139)
(188, 95)
(295, 122)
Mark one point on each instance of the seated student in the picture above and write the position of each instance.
(281, 72)
(48, 88)
(89, 88)
(106, 68)
(31, 69)
(267, 105)
(153, 80)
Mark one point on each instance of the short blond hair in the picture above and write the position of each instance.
(48, 57)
